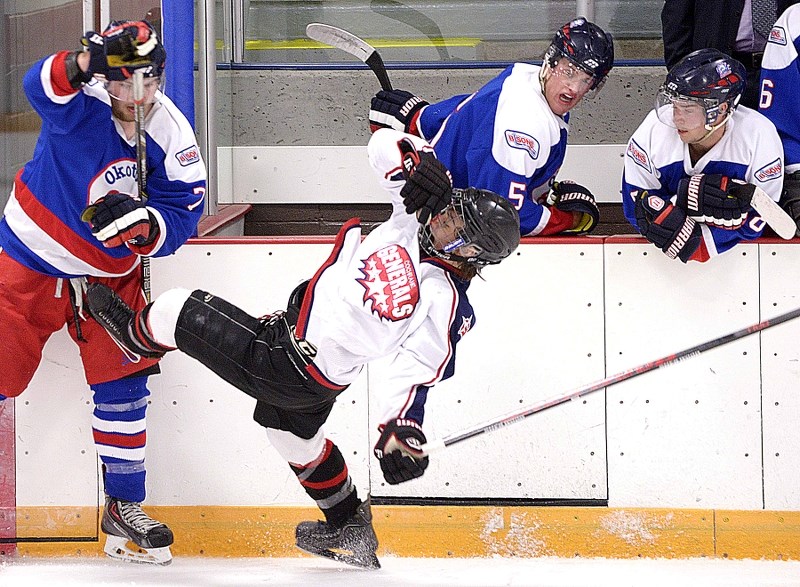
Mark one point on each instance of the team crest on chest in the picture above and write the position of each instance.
(391, 289)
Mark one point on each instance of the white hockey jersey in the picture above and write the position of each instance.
(656, 160)
(503, 138)
(780, 79)
(384, 297)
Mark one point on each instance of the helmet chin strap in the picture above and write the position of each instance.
(712, 128)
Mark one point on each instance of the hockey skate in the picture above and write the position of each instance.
(354, 543)
(122, 323)
(124, 522)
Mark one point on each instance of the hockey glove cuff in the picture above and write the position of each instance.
(569, 196)
(398, 451)
(667, 227)
(118, 219)
(715, 199)
(396, 109)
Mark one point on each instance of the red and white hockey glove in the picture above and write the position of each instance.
(118, 219)
(396, 109)
(398, 450)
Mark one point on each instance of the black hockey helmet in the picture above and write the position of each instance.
(708, 77)
(586, 46)
(158, 54)
(491, 228)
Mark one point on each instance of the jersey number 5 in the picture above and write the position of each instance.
(517, 192)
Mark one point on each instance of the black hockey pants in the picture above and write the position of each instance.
(259, 357)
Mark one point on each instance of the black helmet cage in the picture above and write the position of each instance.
(586, 46)
(709, 77)
(491, 228)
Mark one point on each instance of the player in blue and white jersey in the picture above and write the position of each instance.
(692, 166)
(510, 136)
(780, 78)
(75, 215)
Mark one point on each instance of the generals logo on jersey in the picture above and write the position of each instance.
(390, 283)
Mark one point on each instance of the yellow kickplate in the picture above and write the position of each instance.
(446, 531)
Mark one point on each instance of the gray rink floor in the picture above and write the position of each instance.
(397, 572)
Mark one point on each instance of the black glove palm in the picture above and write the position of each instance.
(398, 451)
(429, 188)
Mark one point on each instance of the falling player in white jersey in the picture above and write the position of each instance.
(692, 166)
(400, 293)
(780, 78)
(510, 136)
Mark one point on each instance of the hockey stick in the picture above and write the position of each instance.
(608, 381)
(777, 218)
(341, 39)
(141, 162)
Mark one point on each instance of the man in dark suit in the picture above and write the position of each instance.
(731, 26)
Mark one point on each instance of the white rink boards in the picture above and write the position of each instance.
(553, 318)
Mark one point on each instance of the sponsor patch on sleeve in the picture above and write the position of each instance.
(520, 140)
(639, 156)
(770, 171)
(188, 156)
(777, 35)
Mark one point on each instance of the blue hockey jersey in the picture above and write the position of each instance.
(502, 138)
(81, 155)
(780, 79)
(656, 160)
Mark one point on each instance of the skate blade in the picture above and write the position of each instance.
(117, 547)
(366, 561)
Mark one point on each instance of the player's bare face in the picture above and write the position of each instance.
(690, 120)
(565, 86)
(446, 229)
(122, 105)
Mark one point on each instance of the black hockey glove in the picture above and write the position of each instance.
(429, 188)
(395, 109)
(667, 227)
(117, 219)
(398, 451)
(715, 199)
(790, 198)
(572, 197)
(121, 48)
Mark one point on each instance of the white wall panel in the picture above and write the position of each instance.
(314, 174)
(56, 459)
(689, 435)
(538, 332)
(202, 438)
(780, 354)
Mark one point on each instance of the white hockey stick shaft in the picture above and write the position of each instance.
(141, 161)
(511, 418)
(775, 216)
(348, 42)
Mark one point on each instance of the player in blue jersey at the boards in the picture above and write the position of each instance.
(692, 165)
(74, 216)
(780, 78)
(510, 136)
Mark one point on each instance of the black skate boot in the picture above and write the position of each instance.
(353, 543)
(123, 522)
(122, 323)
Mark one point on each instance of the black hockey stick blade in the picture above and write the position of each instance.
(505, 420)
(348, 42)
